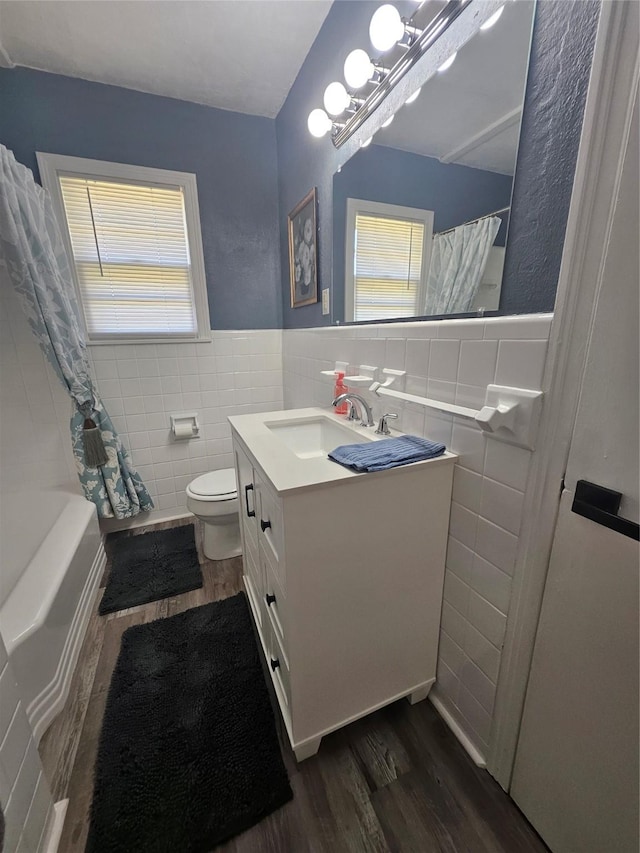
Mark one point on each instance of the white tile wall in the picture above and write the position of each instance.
(453, 361)
(24, 794)
(237, 372)
(141, 385)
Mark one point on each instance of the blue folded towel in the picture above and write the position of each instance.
(387, 453)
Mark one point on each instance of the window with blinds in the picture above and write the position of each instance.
(131, 253)
(387, 266)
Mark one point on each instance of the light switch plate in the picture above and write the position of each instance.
(325, 300)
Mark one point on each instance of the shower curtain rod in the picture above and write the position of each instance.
(477, 219)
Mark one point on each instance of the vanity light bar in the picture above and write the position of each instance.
(388, 29)
(420, 42)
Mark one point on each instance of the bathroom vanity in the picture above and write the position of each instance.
(343, 571)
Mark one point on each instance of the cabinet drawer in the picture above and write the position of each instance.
(279, 667)
(273, 568)
(275, 606)
(271, 529)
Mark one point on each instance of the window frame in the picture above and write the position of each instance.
(381, 209)
(53, 165)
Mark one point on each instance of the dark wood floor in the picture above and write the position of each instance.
(395, 781)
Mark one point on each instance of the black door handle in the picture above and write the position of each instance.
(601, 505)
(250, 512)
(265, 525)
(270, 599)
(274, 663)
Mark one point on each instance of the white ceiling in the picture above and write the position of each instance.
(456, 108)
(240, 55)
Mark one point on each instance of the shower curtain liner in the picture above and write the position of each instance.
(458, 261)
(32, 247)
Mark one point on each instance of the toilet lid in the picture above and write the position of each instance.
(215, 484)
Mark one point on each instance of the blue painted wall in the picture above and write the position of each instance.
(233, 156)
(561, 53)
(559, 70)
(305, 162)
(455, 193)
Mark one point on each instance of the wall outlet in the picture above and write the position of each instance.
(325, 300)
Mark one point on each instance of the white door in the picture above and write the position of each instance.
(576, 770)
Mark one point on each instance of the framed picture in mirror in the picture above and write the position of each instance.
(303, 265)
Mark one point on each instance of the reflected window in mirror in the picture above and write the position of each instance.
(451, 151)
(388, 252)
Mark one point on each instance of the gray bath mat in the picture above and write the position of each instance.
(150, 566)
(188, 754)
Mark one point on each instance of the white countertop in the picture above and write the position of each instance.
(287, 471)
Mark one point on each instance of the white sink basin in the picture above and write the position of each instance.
(315, 436)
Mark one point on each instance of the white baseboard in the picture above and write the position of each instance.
(473, 752)
(56, 822)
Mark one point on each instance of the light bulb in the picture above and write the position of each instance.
(493, 19)
(448, 63)
(413, 97)
(336, 99)
(318, 123)
(389, 120)
(386, 27)
(366, 143)
(358, 69)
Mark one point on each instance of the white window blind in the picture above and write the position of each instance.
(131, 252)
(387, 266)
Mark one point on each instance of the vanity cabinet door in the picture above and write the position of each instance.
(247, 495)
(252, 567)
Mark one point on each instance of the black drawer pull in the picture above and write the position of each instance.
(270, 599)
(265, 525)
(601, 505)
(274, 663)
(250, 512)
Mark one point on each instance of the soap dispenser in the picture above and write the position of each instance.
(340, 388)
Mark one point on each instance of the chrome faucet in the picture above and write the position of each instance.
(366, 415)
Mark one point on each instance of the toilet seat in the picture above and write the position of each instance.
(215, 486)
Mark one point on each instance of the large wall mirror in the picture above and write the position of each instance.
(421, 215)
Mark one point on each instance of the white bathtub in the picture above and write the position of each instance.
(44, 615)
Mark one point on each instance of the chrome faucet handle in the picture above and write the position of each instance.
(383, 426)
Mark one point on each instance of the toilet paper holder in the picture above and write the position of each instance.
(184, 425)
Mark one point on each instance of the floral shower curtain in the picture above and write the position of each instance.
(32, 248)
(458, 261)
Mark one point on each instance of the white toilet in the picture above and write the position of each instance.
(213, 498)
